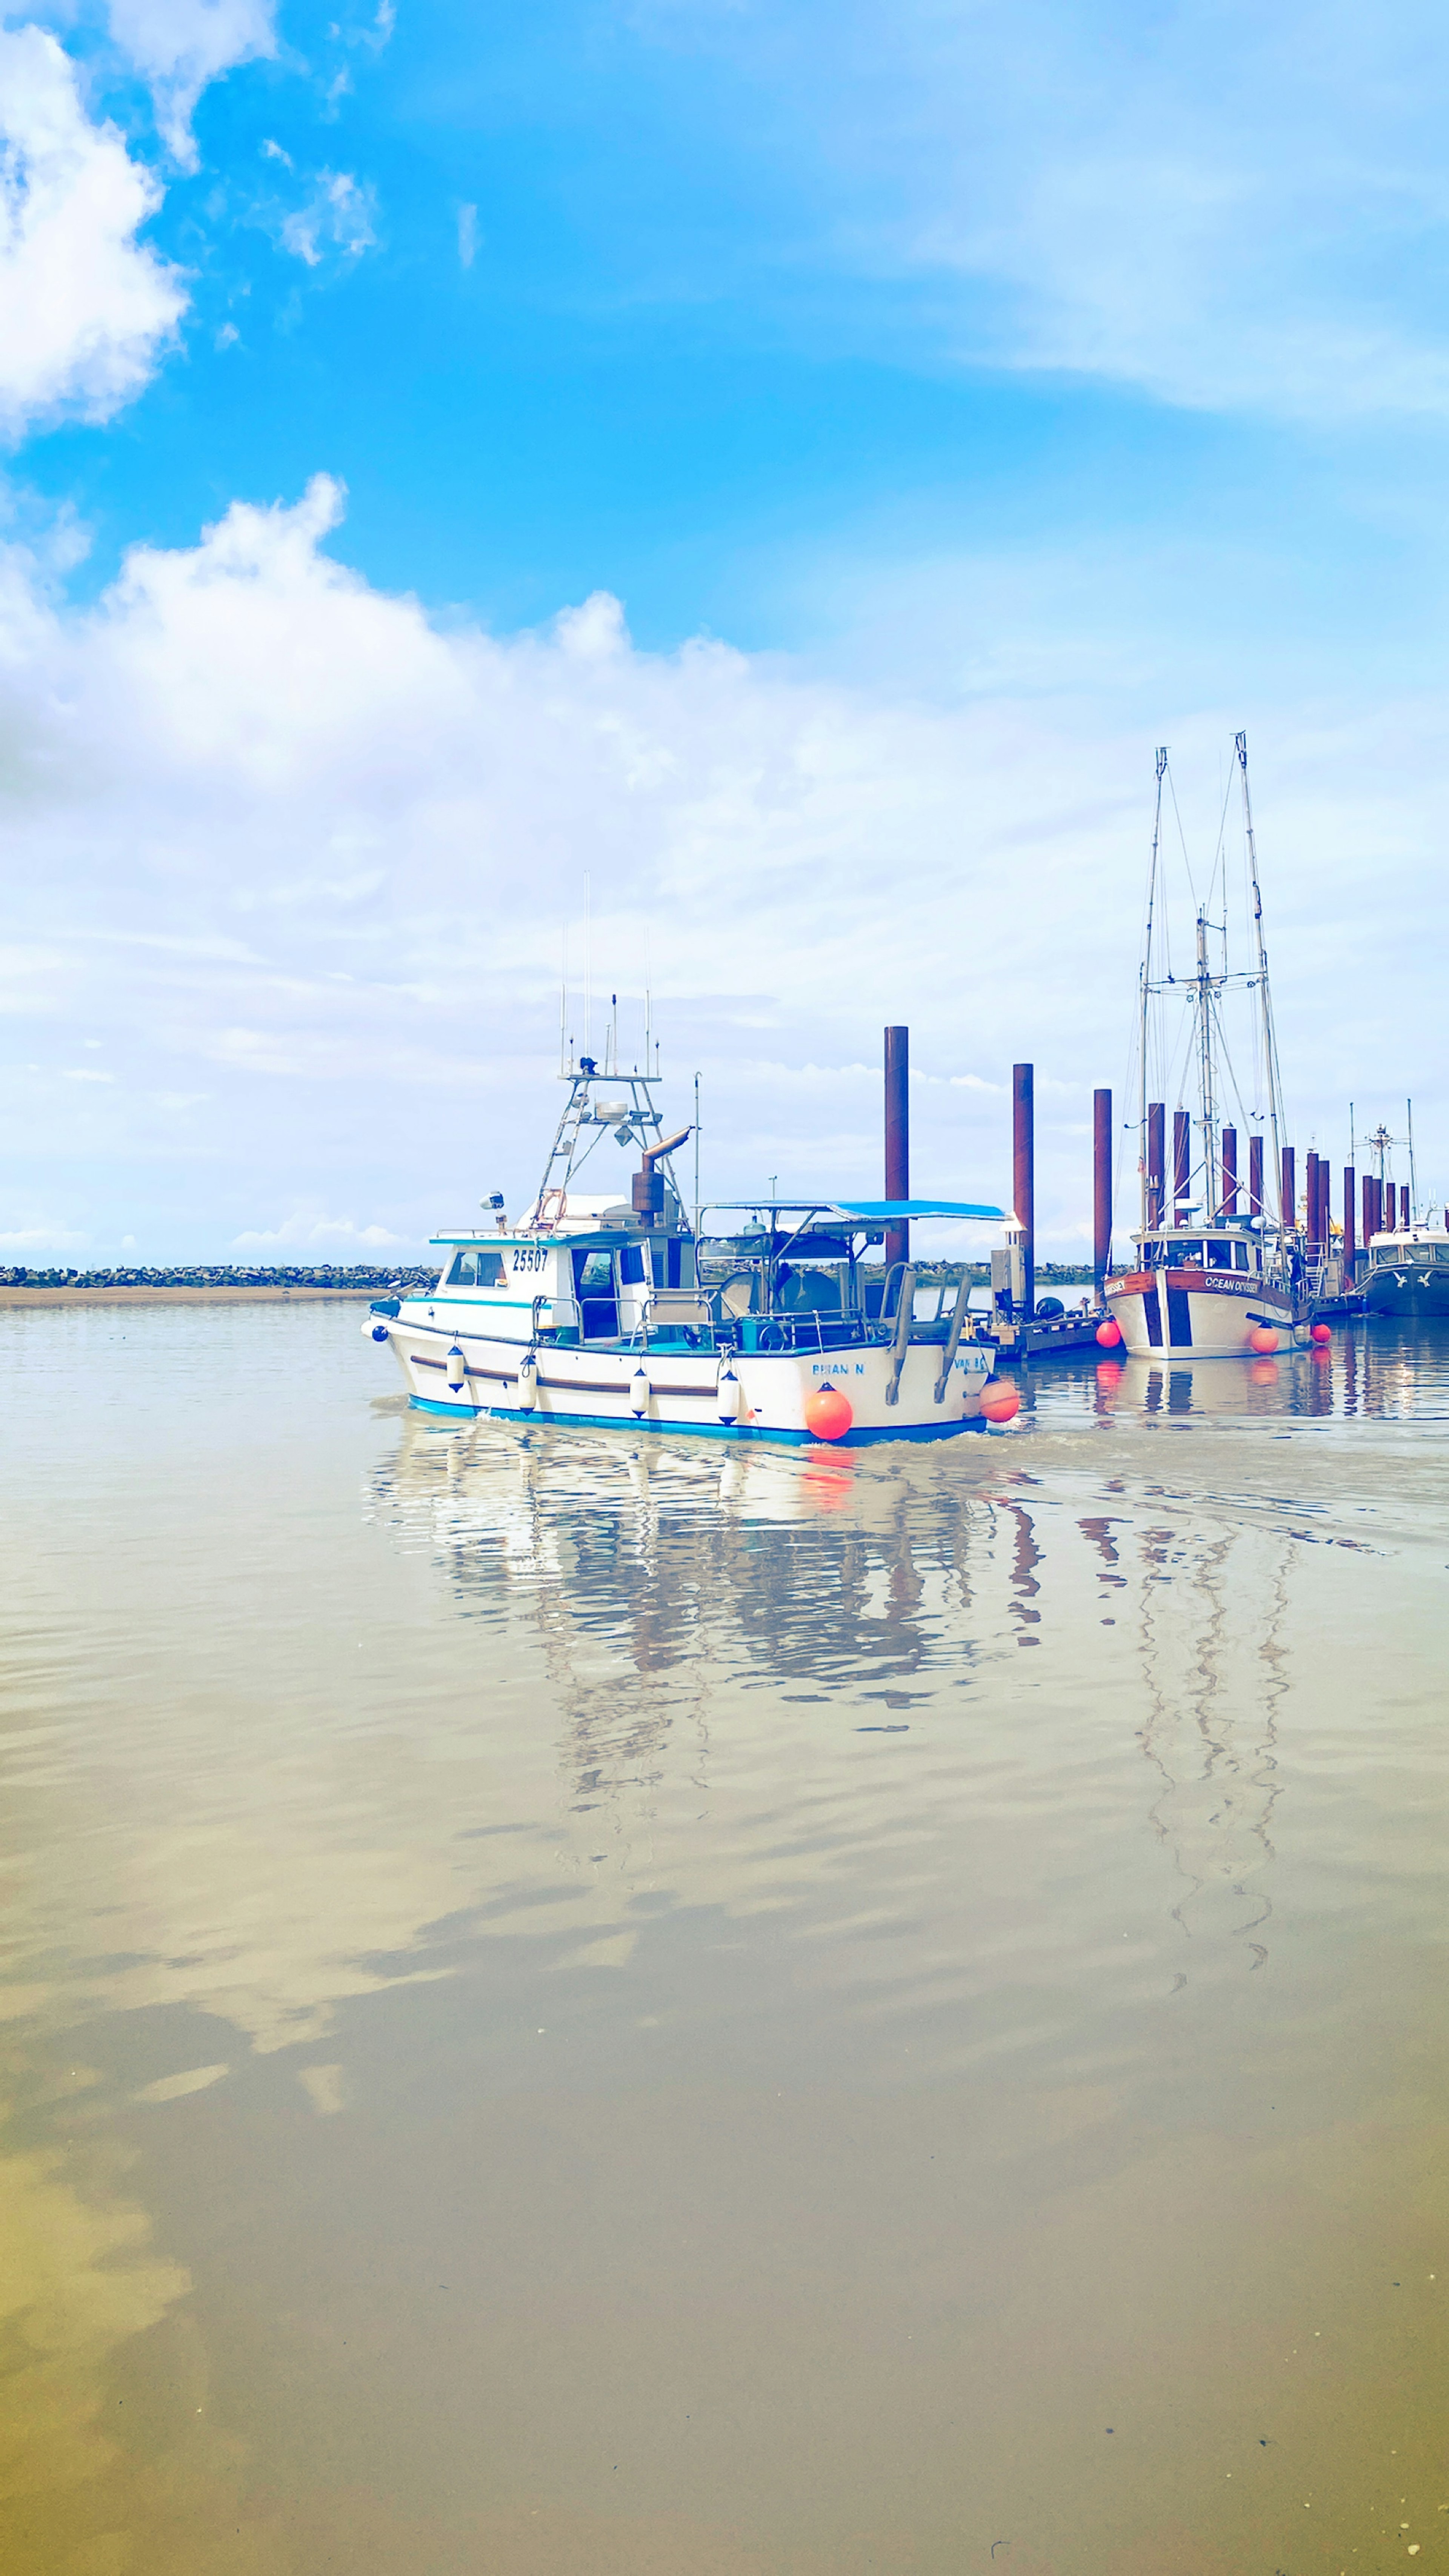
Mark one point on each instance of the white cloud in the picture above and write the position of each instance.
(306, 1232)
(337, 215)
(39, 1236)
(314, 855)
(84, 307)
(1227, 206)
(180, 45)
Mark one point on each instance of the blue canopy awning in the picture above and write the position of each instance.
(895, 1211)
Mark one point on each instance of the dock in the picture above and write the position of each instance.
(1044, 1337)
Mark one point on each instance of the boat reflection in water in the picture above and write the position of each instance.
(1227, 1388)
(687, 1605)
(1363, 1372)
(586, 2002)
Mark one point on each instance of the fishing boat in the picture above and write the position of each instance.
(605, 1308)
(1210, 1277)
(1408, 1273)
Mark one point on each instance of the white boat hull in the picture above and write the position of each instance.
(1192, 1314)
(682, 1389)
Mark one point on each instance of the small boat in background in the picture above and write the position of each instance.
(611, 1309)
(1209, 1278)
(1408, 1273)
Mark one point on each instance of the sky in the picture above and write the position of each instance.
(766, 476)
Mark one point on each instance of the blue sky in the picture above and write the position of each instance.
(954, 400)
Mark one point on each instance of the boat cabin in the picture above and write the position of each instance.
(1416, 1243)
(584, 1281)
(1235, 1245)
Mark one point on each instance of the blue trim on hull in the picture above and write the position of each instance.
(689, 1430)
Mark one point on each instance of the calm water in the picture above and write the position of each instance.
(578, 2008)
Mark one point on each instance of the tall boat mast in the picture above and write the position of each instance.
(1270, 1042)
(1146, 1214)
(1204, 1006)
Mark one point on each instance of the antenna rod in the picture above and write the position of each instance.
(1413, 1176)
(696, 1155)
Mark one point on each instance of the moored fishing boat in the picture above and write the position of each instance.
(604, 1309)
(1408, 1273)
(1209, 1278)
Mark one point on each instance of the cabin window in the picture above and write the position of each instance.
(1220, 1256)
(631, 1266)
(1189, 1252)
(475, 1270)
(1240, 1254)
(1439, 1252)
(594, 1273)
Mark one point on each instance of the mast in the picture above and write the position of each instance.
(1203, 1003)
(1270, 1043)
(1413, 1176)
(1145, 1214)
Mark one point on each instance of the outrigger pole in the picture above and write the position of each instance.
(1270, 1043)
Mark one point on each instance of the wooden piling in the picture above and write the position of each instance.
(1288, 1191)
(1255, 1176)
(1101, 1187)
(1350, 1233)
(1023, 1157)
(1181, 1164)
(1229, 1206)
(897, 1138)
(1156, 1160)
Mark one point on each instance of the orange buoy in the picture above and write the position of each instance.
(828, 1413)
(1109, 1334)
(1322, 1333)
(1264, 1373)
(1000, 1402)
(1262, 1338)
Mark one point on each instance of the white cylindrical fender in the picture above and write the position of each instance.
(457, 1370)
(727, 1394)
(639, 1390)
(527, 1382)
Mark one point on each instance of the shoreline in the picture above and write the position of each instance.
(164, 1296)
